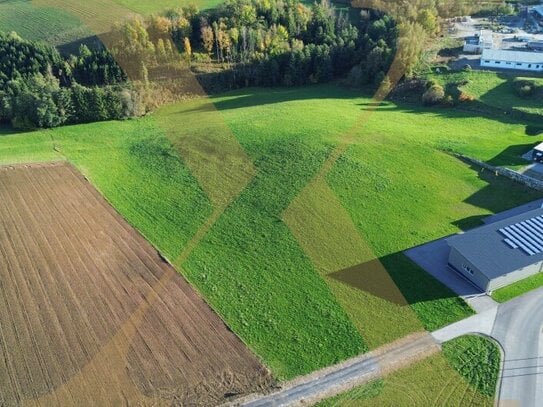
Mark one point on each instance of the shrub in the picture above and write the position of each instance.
(465, 97)
(433, 95)
(524, 87)
(448, 101)
(431, 83)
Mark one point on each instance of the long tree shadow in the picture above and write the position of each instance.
(501, 193)
(252, 97)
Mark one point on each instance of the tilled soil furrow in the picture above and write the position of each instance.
(90, 318)
(94, 314)
(40, 274)
(29, 366)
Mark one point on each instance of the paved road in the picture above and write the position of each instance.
(518, 329)
(348, 374)
(433, 257)
(517, 326)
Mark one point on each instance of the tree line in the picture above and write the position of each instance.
(260, 43)
(240, 43)
(39, 88)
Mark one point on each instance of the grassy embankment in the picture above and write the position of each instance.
(396, 184)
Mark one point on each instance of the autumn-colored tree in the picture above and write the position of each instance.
(187, 47)
(206, 33)
(159, 27)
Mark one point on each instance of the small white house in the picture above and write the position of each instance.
(478, 43)
(504, 59)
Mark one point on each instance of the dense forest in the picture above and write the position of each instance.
(261, 43)
(240, 43)
(40, 88)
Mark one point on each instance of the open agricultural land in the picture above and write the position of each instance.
(250, 265)
(91, 314)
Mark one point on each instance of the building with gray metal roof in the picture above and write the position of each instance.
(506, 59)
(501, 253)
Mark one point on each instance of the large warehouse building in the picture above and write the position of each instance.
(501, 253)
(505, 59)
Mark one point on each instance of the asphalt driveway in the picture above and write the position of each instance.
(433, 258)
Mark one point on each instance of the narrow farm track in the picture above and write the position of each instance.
(90, 312)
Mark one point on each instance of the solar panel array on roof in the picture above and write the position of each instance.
(526, 235)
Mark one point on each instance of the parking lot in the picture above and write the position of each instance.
(508, 33)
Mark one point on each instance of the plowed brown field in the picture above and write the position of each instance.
(91, 315)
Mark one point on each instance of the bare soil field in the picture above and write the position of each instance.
(91, 314)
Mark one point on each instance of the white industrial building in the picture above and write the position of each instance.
(505, 59)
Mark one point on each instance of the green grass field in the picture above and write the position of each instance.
(494, 89)
(396, 185)
(59, 27)
(477, 359)
(40, 23)
(465, 373)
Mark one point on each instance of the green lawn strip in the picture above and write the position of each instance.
(429, 382)
(477, 360)
(520, 287)
(40, 23)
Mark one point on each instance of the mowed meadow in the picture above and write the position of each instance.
(33, 22)
(55, 23)
(396, 184)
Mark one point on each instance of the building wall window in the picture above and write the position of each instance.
(467, 269)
